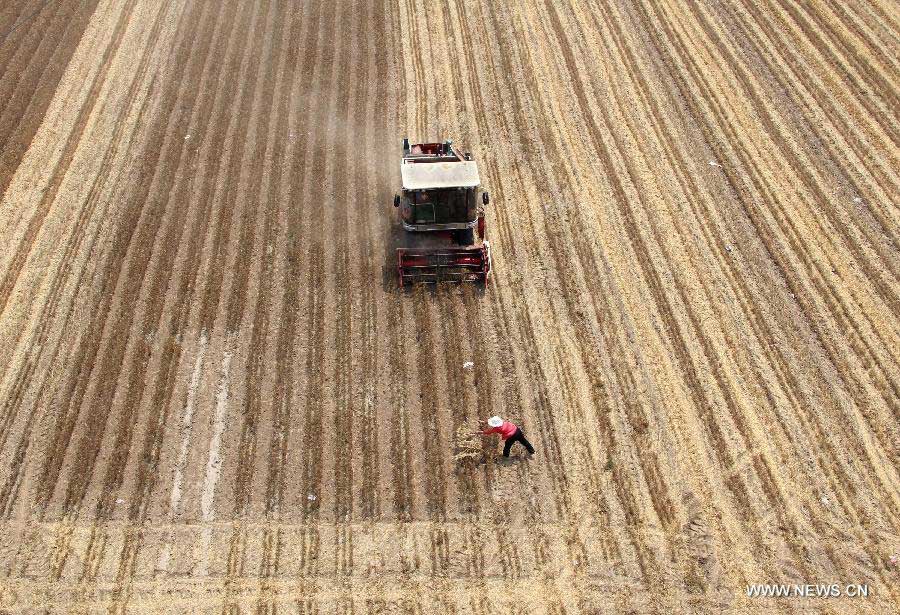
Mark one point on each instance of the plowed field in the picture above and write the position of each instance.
(214, 398)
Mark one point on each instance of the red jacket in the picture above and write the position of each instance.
(507, 430)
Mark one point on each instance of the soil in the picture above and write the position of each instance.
(214, 397)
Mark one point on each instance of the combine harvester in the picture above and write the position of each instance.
(441, 215)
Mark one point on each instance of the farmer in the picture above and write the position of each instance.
(509, 432)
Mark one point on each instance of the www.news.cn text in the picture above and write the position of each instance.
(807, 590)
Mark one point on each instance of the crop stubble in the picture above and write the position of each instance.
(214, 397)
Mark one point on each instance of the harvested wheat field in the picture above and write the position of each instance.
(214, 397)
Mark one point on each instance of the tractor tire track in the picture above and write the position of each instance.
(886, 387)
(48, 314)
(343, 191)
(763, 236)
(316, 279)
(147, 473)
(72, 245)
(23, 121)
(561, 263)
(370, 106)
(762, 331)
(667, 311)
(288, 331)
(78, 380)
(694, 189)
(213, 401)
(42, 209)
(810, 24)
(149, 281)
(883, 184)
(882, 287)
(149, 457)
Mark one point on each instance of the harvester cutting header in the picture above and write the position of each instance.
(442, 216)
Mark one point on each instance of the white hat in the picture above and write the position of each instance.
(495, 421)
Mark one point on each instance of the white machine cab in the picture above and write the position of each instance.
(436, 175)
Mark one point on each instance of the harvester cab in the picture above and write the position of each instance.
(443, 216)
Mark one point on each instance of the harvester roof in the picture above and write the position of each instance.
(431, 175)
